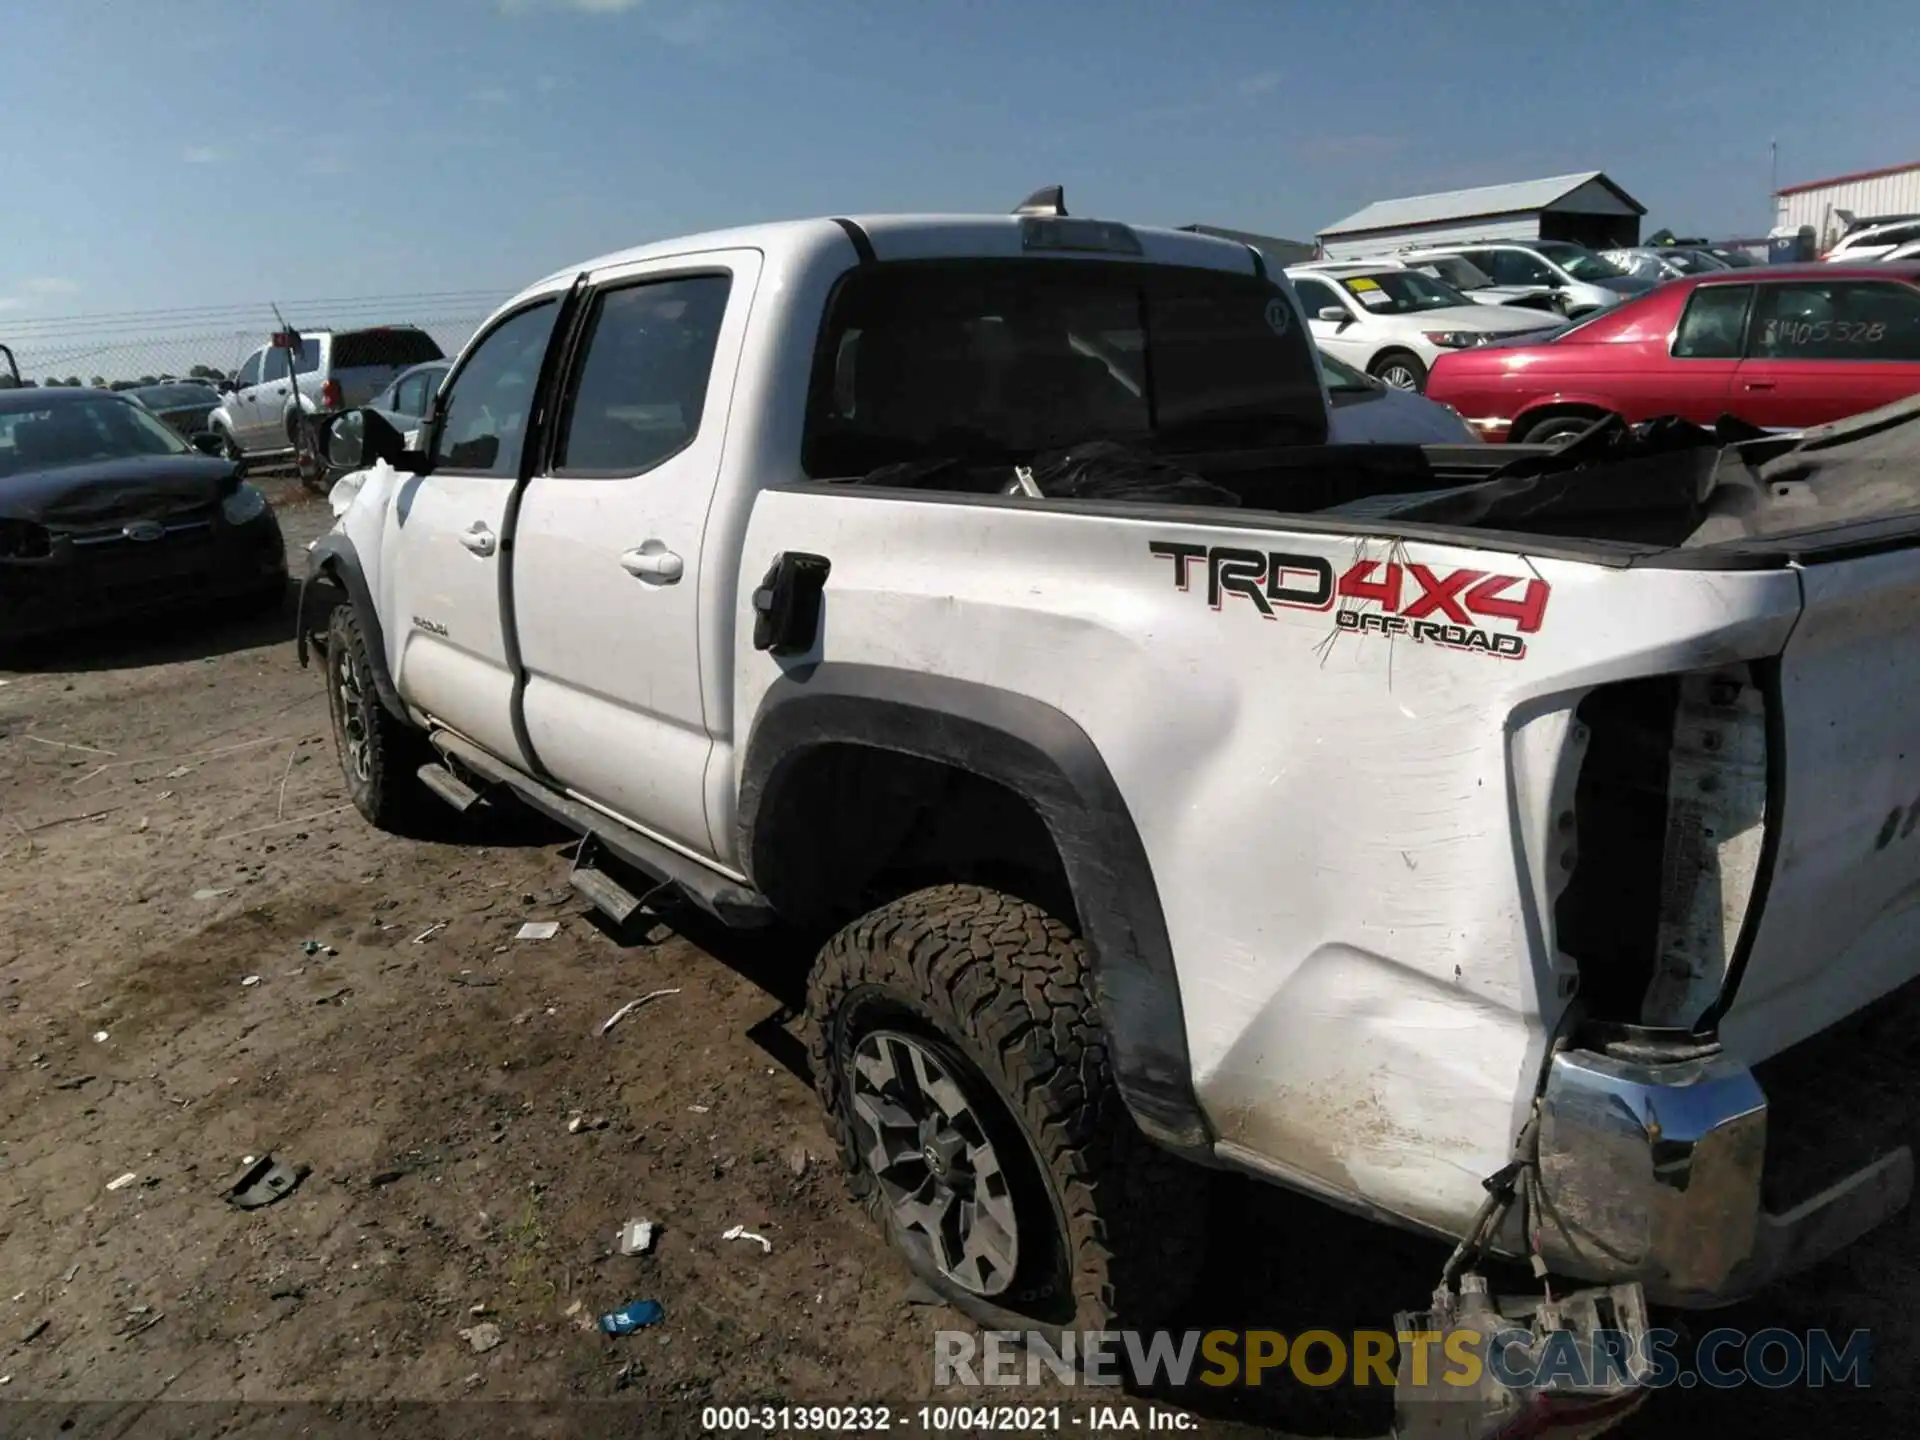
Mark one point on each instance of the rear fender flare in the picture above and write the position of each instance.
(1042, 755)
(333, 560)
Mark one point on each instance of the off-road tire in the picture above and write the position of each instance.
(1112, 1227)
(382, 777)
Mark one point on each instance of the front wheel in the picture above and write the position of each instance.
(379, 754)
(1400, 370)
(959, 1054)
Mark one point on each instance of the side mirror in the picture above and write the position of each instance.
(206, 442)
(1334, 314)
(226, 387)
(355, 439)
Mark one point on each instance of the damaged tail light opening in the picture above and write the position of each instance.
(1662, 854)
(24, 540)
(330, 395)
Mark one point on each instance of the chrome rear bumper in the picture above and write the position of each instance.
(1653, 1172)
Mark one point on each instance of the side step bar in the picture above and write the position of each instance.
(449, 787)
(728, 901)
(608, 895)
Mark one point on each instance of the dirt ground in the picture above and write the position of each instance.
(205, 956)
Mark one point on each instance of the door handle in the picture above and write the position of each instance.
(1761, 384)
(480, 540)
(658, 564)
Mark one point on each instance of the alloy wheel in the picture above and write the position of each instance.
(937, 1168)
(352, 716)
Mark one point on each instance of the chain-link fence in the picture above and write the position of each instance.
(140, 347)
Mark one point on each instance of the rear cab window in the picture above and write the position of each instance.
(994, 361)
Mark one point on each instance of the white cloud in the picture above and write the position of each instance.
(39, 288)
(200, 155)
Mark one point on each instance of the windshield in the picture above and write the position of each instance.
(1402, 292)
(79, 432)
(1578, 261)
(991, 361)
(1460, 273)
(173, 397)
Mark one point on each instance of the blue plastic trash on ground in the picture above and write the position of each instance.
(635, 1316)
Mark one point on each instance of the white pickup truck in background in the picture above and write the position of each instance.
(1374, 819)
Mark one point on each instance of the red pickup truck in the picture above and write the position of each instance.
(1782, 347)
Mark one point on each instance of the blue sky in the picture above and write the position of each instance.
(200, 152)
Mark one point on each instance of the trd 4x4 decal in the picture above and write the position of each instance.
(1459, 609)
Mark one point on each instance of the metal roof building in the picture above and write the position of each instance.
(1586, 207)
(1892, 191)
(1279, 253)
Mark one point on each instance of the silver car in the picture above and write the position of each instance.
(1581, 280)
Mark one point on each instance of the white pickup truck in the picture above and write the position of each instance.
(1397, 826)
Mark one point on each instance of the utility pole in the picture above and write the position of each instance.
(1773, 183)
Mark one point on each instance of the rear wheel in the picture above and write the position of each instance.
(959, 1054)
(1556, 429)
(379, 754)
(1400, 369)
(308, 462)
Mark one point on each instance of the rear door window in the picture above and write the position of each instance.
(992, 361)
(1836, 320)
(642, 385)
(1714, 322)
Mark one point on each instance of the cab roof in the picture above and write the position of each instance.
(910, 237)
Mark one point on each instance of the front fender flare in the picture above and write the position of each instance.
(1041, 754)
(332, 559)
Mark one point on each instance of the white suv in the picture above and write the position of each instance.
(1394, 322)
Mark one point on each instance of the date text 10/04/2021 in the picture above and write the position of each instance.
(939, 1419)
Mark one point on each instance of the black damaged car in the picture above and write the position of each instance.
(106, 513)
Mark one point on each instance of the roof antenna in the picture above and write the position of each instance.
(1049, 200)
